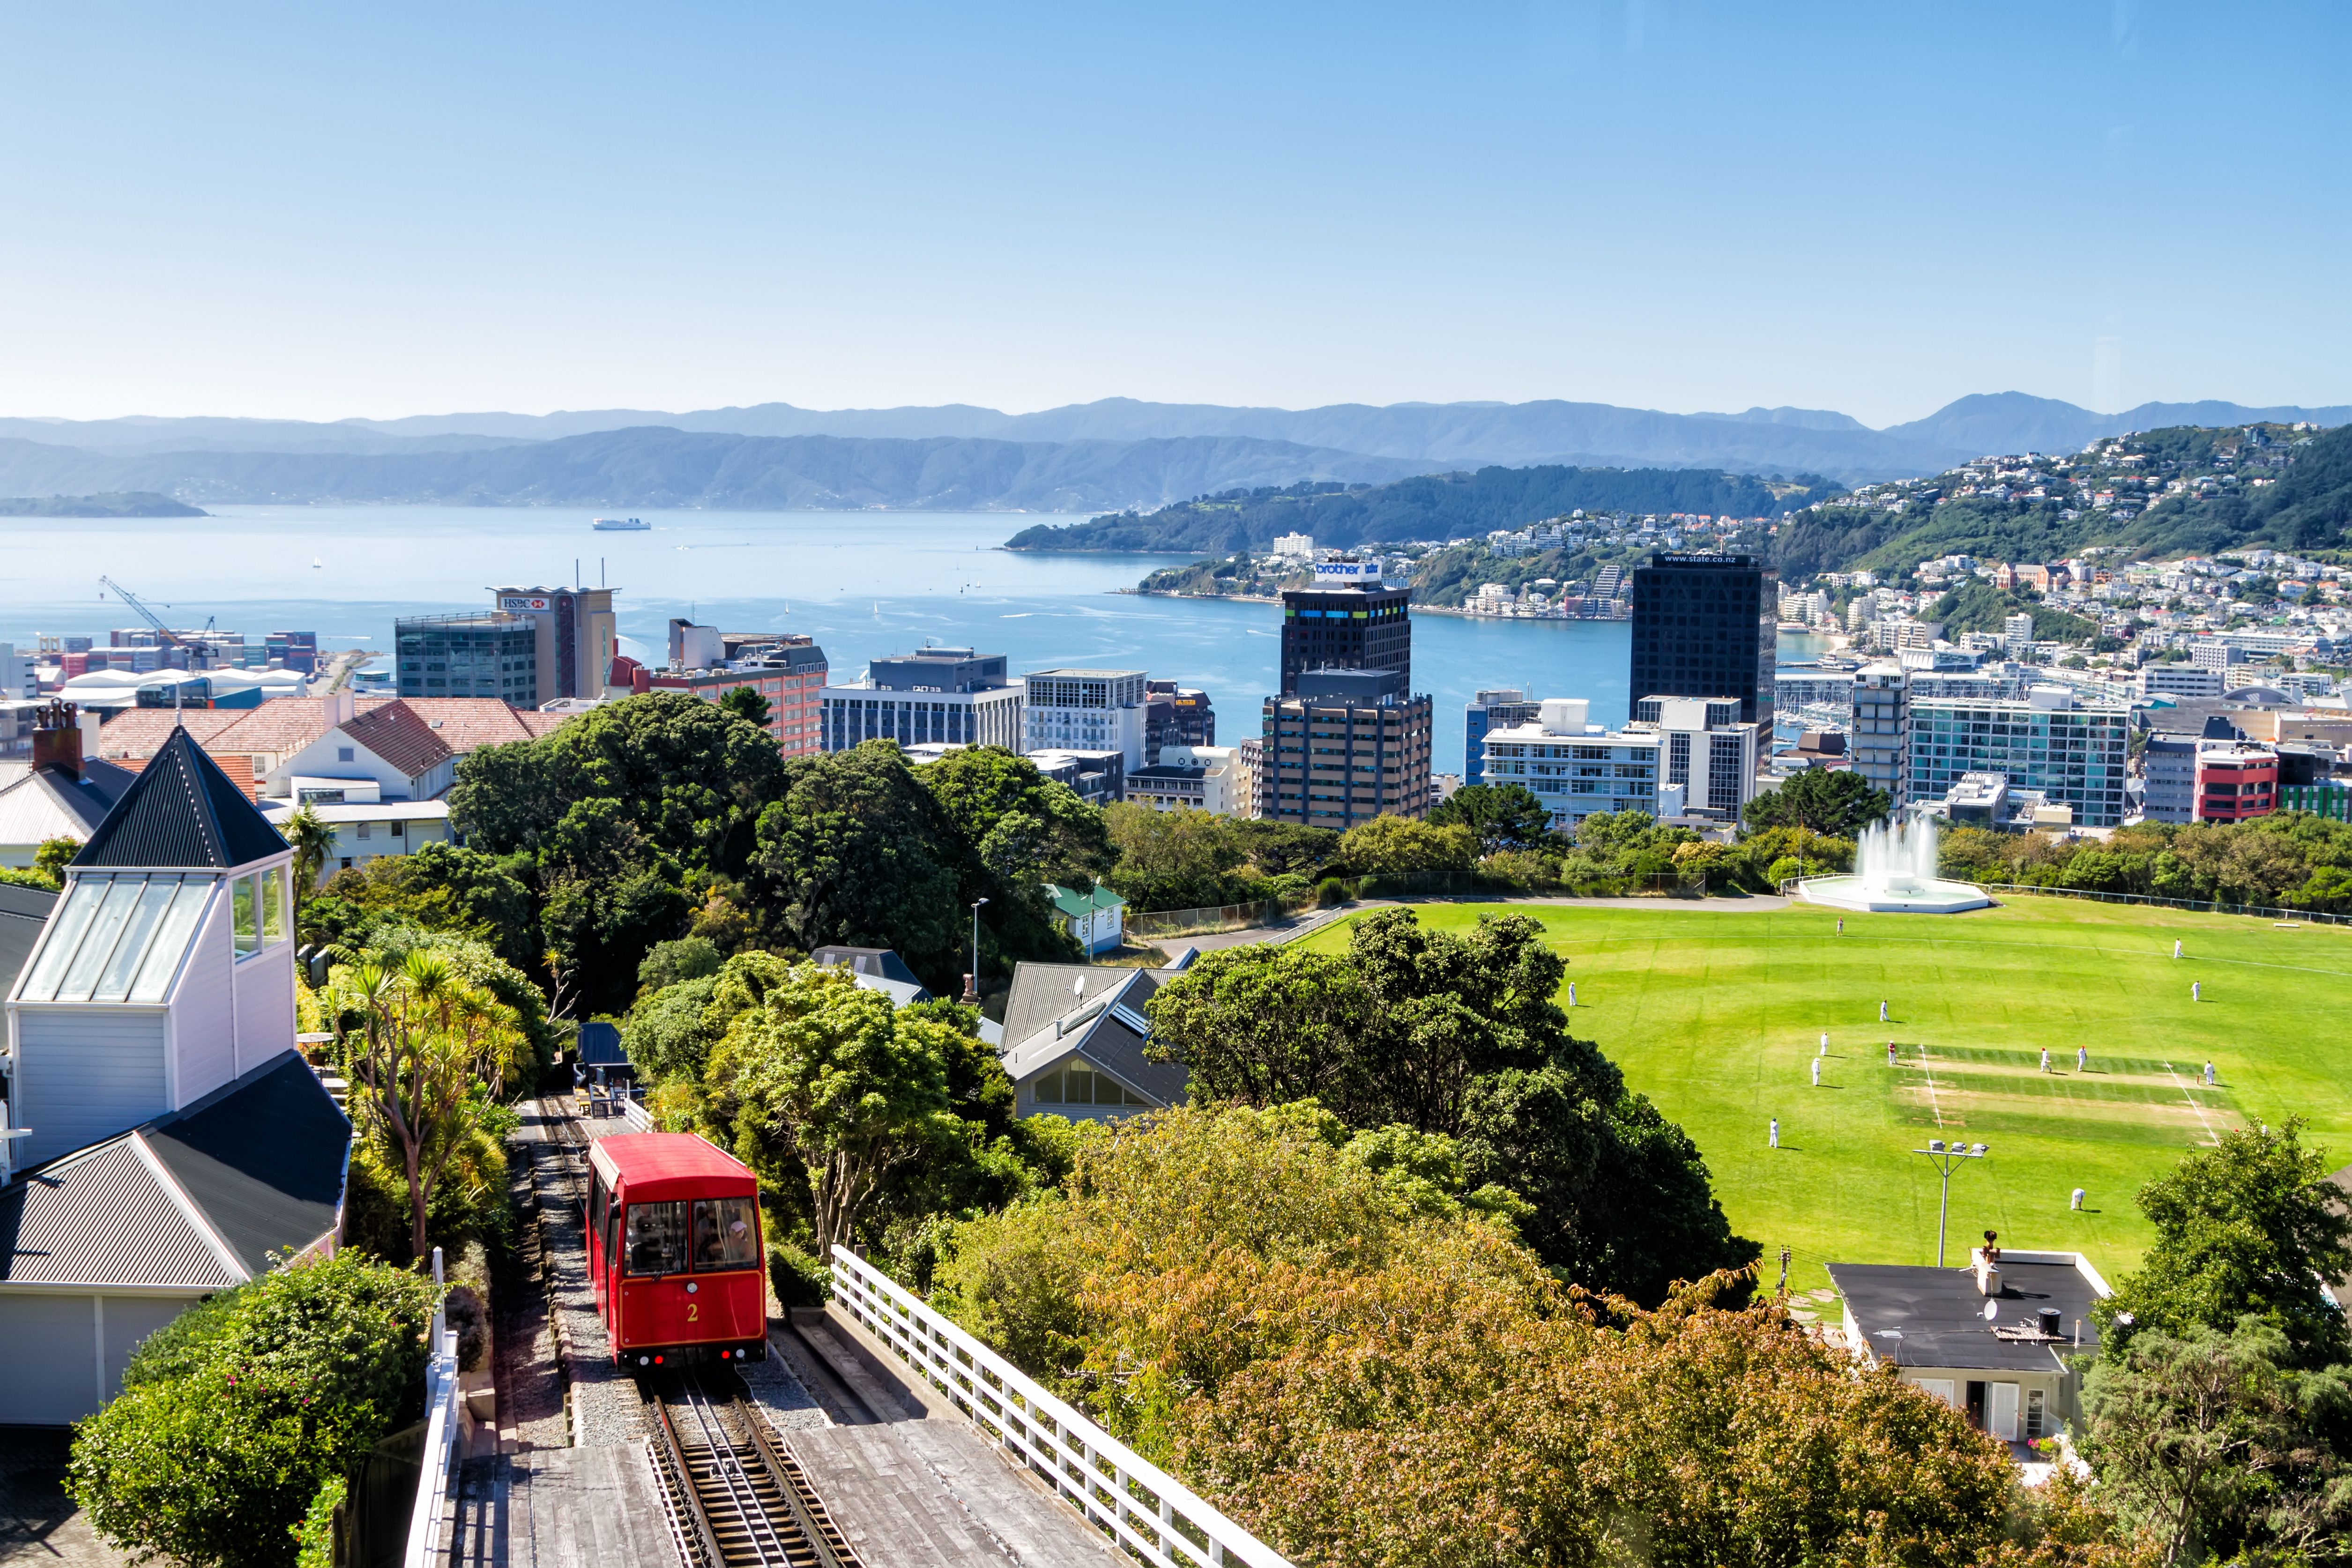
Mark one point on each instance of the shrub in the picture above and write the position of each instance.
(234, 1416)
(314, 1537)
(798, 1280)
(1784, 868)
(1331, 893)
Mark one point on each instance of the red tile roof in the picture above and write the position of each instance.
(396, 733)
(286, 725)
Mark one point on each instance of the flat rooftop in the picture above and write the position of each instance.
(1935, 1317)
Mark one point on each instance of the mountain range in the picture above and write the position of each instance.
(1109, 454)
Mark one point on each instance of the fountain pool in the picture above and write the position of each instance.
(1895, 872)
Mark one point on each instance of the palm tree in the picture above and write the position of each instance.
(312, 840)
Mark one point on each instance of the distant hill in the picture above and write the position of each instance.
(132, 503)
(1431, 507)
(661, 467)
(2305, 505)
(1411, 438)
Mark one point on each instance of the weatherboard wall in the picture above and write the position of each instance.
(84, 1073)
(203, 1009)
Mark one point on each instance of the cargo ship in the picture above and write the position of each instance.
(622, 526)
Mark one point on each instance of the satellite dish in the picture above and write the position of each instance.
(1992, 1310)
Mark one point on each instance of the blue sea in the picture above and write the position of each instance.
(863, 584)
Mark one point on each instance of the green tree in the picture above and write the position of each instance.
(2252, 1228)
(1392, 845)
(1838, 802)
(425, 1038)
(830, 1074)
(2213, 1442)
(687, 776)
(1025, 827)
(234, 1416)
(747, 704)
(1174, 860)
(442, 887)
(313, 841)
(1263, 1025)
(859, 853)
(51, 856)
(1503, 816)
(687, 958)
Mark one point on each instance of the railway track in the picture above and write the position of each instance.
(740, 1500)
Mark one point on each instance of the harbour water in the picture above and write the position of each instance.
(861, 583)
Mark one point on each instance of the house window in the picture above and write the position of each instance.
(1079, 1084)
(273, 904)
(244, 902)
(344, 754)
(2033, 1415)
(364, 830)
(399, 830)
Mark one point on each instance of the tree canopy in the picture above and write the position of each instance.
(1836, 802)
(1461, 1036)
(1503, 816)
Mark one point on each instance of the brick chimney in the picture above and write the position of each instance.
(57, 737)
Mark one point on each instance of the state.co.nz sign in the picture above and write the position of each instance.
(526, 602)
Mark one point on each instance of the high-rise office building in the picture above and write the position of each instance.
(1085, 710)
(1347, 621)
(1488, 712)
(1881, 740)
(936, 695)
(1705, 626)
(485, 654)
(2070, 748)
(1175, 716)
(573, 636)
(1346, 741)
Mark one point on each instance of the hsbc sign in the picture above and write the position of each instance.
(526, 602)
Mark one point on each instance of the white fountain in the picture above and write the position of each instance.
(1895, 872)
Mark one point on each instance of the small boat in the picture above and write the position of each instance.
(622, 526)
(317, 565)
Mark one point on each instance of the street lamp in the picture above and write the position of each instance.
(972, 980)
(1947, 1158)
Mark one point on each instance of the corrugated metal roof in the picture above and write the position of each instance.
(24, 911)
(102, 1217)
(1102, 1028)
(182, 810)
(263, 1157)
(256, 1166)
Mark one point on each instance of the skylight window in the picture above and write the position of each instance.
(118, 938)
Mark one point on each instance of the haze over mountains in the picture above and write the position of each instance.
(1105, 455)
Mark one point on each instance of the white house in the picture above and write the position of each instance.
(177, 1144)
(168, 968)
(394, 748)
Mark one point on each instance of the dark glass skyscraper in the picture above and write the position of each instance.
(1704, 626)
(1352, 628)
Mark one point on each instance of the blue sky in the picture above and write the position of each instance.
(320, 211)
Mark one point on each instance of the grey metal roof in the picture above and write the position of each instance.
(104, 1215)
(198, 1199)
(1939, 1317)
(882, 963)
(182, 810)
(1100, 1027)
(1043, 992)
(23, 912)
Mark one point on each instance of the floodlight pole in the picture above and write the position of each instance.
(1947, 1160)
(971, 981)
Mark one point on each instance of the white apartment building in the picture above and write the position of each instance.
(2182, 681)
(1575, 768)
(1294, 547)
(1214, 778)
(1707, 751)
(1086, 710)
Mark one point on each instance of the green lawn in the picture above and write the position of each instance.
(1717, 1015)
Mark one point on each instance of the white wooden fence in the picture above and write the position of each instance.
(1141, 1507)
(442, 1415)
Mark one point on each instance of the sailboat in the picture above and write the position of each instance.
(317, 565)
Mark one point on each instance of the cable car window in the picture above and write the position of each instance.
(726, 1233)
(657, 1242)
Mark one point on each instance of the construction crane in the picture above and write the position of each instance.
(149, 616)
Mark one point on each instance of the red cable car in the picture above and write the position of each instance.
(673, 1248)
